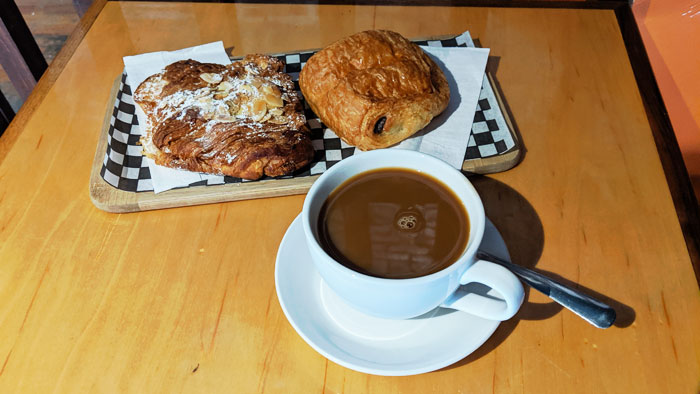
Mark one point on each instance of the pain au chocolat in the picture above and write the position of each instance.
(244, 119)
(374, 88)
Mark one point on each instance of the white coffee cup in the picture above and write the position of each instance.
(407, 298)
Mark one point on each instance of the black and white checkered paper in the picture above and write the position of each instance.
(124, 168)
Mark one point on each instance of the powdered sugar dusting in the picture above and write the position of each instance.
(249, 98)
(209, 119)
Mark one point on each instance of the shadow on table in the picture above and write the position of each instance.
(522, 231)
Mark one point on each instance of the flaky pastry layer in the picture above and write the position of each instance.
(243, 120)
(374, 88)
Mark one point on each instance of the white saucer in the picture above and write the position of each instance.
(364, 343)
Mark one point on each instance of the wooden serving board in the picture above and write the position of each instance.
(110, 198)
(504, 161)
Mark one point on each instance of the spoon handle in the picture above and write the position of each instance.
(593, 311)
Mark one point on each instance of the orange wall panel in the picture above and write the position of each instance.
(671, 34)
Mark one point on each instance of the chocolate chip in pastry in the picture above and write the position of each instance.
(243, 120)
(374, 88)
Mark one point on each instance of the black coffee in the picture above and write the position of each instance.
(393, 223)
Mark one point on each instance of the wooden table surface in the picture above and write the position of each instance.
(184, 299)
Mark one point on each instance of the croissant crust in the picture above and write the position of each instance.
(243, 120)
(374, 88)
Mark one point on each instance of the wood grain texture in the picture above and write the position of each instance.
(183, 299)
(677, 177)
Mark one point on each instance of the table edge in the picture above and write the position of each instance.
(585, 4)
(13, 131)
(677, 177)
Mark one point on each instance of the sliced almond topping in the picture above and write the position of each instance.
(233, 107)
(278, 120)
(270, 89)
(244, 110)
(256, 82)
(224, 86)
(247, 89)
(222, 110)
(258, 110)
(274, 101)
(265, 118)
(277, 116)
(211, 78)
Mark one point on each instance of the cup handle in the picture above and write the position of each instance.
(496, 277)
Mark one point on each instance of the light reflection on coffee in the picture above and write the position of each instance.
(393, 223)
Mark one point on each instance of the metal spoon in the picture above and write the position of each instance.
(593, 311)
